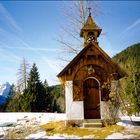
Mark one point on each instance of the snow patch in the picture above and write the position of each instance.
(115, 136)
(36, 135)
(120, 136)
(38, 117)
(129, 118)
(125, 124)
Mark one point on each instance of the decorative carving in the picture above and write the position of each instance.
(106, 85)
(90, 69)
(68, 84)
(77, 91)
(77, 94)
(106, 88)
(114, 76)
(83, 73)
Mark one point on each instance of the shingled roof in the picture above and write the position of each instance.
(90, 25)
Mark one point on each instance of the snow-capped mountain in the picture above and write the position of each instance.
(4, 89)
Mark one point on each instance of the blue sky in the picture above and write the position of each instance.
(29, 29)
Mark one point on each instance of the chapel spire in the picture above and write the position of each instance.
(90, 30)
(89, 11)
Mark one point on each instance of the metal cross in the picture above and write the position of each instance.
(89, 11)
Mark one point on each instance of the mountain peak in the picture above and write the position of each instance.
(4, 89)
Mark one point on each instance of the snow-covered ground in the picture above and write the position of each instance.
(46, 117)
(132, 128)
(133, 118)
(26, 119)
(129, 121)
(42, 118)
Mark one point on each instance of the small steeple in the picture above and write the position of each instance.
(89, 11)
(90, 30)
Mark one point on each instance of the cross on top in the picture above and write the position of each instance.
(89, 11)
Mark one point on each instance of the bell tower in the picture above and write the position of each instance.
(90, 31)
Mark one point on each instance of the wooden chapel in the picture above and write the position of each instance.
(88, 77)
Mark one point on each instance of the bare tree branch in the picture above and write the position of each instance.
(75, 15)
(23, 75)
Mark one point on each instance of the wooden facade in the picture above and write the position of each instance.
(91, 62)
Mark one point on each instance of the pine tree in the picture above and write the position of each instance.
(13, 103)
(48, 97)
(46, 86)
(34, 95)
(56, 98)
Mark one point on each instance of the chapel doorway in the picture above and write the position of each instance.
(91, 99)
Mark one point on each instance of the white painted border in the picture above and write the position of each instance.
(74, 109)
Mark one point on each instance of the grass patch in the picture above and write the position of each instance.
(59, 128)
(20, 133)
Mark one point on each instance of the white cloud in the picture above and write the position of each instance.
(35, 49)
(132, 26)
(53, 64)
(8, 18)
(111, 52)
(7, 54)
(107, 46)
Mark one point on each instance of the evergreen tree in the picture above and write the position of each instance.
(13, 101)
(34, 95)
(57, 98)
(130, 89)
(46, 86)
(48, 96)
